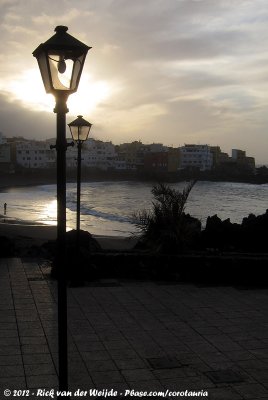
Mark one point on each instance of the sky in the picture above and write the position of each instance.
(159, 71)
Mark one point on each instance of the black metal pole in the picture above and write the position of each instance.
(79, 147)
(61, 145)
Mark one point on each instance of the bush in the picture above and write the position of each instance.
(166, 228)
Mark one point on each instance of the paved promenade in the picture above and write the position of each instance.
(140, 336)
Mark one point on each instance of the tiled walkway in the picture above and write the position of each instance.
(135, 336)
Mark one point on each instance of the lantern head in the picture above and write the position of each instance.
(61, 59)
(80, 129)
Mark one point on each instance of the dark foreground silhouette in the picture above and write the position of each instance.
(222, 253)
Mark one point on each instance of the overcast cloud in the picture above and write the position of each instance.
(170, 71)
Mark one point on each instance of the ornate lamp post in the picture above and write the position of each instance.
(79, 130)
(61, 59)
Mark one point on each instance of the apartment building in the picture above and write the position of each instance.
(240, 157)
(196, 156)
(34, 154)
(94, 154)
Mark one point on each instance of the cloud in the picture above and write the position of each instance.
(174, 70)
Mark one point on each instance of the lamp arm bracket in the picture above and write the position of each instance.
(57, 147)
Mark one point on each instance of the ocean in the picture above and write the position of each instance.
(107, 207)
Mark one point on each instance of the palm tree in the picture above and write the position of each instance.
(166, 228)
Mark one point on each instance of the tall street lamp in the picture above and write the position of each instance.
(61, 59)
(79, 130)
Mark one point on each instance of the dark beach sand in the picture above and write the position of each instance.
(37, 234)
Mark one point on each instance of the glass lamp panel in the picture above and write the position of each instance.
(84, 131)
(61, 71)
(74, 132)
(79, 132)
(77, 70)
(44, 69)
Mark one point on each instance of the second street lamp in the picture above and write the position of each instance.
(79, 130)
(61, 59)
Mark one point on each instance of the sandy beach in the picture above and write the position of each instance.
(27, 233)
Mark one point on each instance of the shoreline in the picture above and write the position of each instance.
(28, 233)
(48, 178)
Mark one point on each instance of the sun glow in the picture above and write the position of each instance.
(49, 214)
(89, 95)
(29, 90)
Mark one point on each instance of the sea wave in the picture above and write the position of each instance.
(100, 214)
(106, 207)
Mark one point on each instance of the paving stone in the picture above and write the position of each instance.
(224, 376)
(14, 383)
(31, 332)
(9, 350)
(33, 340)
(76, 368)
(131, 363)
(34, 349)
(239, 355)
(139, 374)
(106, 377)
(11, 360)
(9, 341)
(6, 326)
(90, 346)
(9, 333)
(116, 344)
(42, 381)
(164, 362)
(96, 355)
(115, 328)
(92, 337)
(101, 365)
(252, 391)
(119, 387)
(81, 381)
(260, 353)
(11, 371)
(37, 358)
(223, 394)
(149, 385)
(43, 369)
(122, 353)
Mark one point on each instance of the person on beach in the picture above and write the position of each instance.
(5, 208)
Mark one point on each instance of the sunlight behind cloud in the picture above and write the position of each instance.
(28, 89)
(90, 93)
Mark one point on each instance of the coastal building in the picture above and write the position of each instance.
(34, 154)
(157, 162)
(240, 157)
(3, 139)
(162, 161)
(197, 156)
(5, 157)
(131, 153)
(134, 153)
(95, 154)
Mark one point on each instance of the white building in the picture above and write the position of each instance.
(2, 138)
(35, 154)
(94, 154)
(196, 156)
